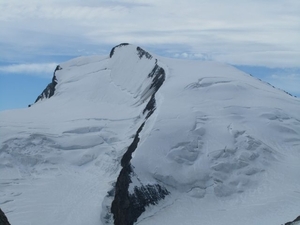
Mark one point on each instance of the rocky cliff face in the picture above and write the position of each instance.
(3, 219)
(48, 92)
(128, 206)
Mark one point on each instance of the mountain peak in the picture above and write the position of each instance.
(141, 52)
(150, 140)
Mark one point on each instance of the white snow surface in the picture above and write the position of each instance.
(226, 145)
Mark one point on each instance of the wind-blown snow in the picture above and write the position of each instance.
(226, 145)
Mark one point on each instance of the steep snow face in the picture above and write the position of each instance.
(220, 146)
(216, 128)
(223, 141)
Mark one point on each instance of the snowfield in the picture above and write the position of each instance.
(224, 145)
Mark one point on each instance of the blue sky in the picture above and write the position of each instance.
(260, 37)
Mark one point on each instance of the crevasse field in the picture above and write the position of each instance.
(225, 145)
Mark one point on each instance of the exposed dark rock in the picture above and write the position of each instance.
(48, 92)
(3, 218)
(146, 195)
(121, 205)
(127, 207)
(113, 49)
(125, 161)
(150, 107)
(158, 74)
(142, 52)
(294, 221)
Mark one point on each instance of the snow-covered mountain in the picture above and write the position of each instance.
(135, 138)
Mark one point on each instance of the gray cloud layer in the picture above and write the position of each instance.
(263, 32)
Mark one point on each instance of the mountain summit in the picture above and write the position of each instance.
(135, 138)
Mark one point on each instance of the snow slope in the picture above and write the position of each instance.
(225, 145)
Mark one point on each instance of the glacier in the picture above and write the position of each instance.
(136, 138)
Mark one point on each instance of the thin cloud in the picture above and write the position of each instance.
(42, 69)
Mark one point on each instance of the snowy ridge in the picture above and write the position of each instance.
(195, 142)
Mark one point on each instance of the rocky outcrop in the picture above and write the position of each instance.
(48, 92)
(127, 207)
(142, 52)
(113, 49)
(3, 218)
(294, 222)
(122, 207)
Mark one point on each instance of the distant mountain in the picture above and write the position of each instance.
(135, 138)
